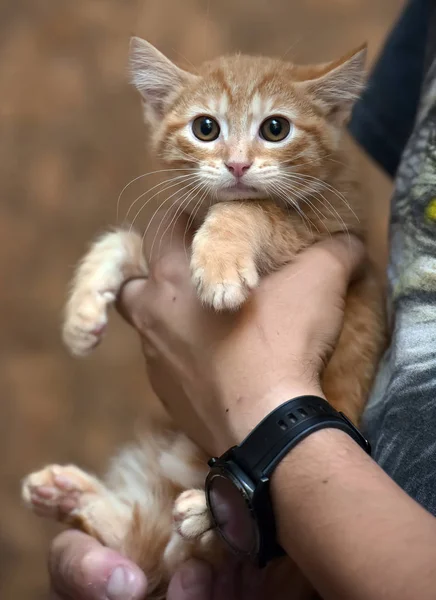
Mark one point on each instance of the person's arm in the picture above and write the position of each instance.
(352, 531)
(349, 527)
(342, 520)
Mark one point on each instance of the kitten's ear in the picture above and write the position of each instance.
(155, 76)
(336, 86)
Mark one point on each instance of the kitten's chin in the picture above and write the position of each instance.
(239, 193)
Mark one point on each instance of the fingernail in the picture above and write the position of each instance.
(123, 584)
(196, 578)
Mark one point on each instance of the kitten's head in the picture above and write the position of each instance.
(247, 126)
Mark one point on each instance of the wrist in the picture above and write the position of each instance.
(315, 461)
(238, 487)
(242, 412)
(327, 473)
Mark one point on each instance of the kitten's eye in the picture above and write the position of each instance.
(275, 129)
(205, 129)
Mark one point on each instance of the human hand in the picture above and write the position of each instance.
(81, 569)
(220, 374)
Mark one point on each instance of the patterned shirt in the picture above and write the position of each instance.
(400, 419)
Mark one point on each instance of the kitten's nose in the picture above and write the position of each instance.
(238, 169)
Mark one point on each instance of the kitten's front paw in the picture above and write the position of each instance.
(86, 320)
(224, 285)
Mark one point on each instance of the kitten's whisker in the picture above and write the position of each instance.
(335, 214)
(192, 217)
(291, 205)
(164, 217)
(183, 203)
(183, 156)
(328, 187)
(197, 206)
(187, 184)
(317, 212)
(141, 177)
(154, 215)
(303, 152)
(169, 182)
(284, 196)
(315, 192)
(320, 158)
(287, 164)
(306, 199)
(172, 204)
(201, 188)
(187, 156)
(158, 208)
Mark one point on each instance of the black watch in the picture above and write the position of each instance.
(237, 486)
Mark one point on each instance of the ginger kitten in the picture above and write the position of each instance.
(259, 143)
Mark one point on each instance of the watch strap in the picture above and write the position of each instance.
(285, 427)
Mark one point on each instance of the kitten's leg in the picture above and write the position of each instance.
(71, 496)
(235, 242)
(194, 534)
(191, 515)
(112, 260)
(350, 372)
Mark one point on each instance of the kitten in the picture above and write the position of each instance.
(263, 139)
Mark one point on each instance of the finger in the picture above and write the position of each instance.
(250, 582)
(341, 251)
(140, 300)
(193, 581)
(328, 265)
(82, 569)
(226, 583)
(131, 301)
(167, 233)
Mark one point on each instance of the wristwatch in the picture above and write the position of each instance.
(237, 486)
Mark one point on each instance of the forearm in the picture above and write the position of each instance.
(349, 527)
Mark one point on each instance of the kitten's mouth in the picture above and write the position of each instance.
(239, 191)
(240, 186)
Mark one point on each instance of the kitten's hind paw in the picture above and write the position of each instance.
(58, 492)
(191, 515)
(194, 535)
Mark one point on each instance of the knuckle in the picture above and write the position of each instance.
(142, 321)
(167, 268)
(332, 262)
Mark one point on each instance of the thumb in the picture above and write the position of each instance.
(193, 581)
(130, 303)
(81, 568)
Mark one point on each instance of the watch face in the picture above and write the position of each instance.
(229, 503)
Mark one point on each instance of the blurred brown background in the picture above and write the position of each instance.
(71, 138)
